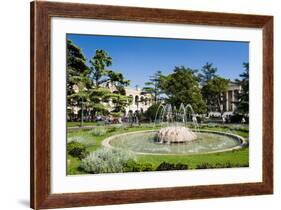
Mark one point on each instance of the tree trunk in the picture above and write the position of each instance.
(82, 114)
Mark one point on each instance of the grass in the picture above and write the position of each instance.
(73, 166)
(92, 142)
(77, 124)
(239, 158)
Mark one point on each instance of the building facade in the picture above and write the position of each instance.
(229, 100)
(231, 97)
(141, 101)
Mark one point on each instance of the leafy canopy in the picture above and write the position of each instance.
(182, 86)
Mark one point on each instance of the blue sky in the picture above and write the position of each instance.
(138, 58)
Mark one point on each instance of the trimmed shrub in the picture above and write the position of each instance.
(146, 167)
(150, 113)
(106, 161)
(164, 166)
(112, 129)
(204, 166)
(199, 119)
(77, 149)
(133, 166)
(220, 165)
(237, 118)
(180, 166)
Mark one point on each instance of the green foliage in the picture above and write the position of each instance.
(120, 102)
(133, 166)
(208, 73)
(213, 91)
(243, 97)
(73, 166)
(75, 61)
(165, 166)
(112, 129)
(88, 87)
(237, 118)
(238, 158)
(153, 87)
(77, 149)
(150, 113)
(77, 77)
(206, 165)
(182, 86)
(106, 161)
(98, 131)
(103, 77)
(99, 62)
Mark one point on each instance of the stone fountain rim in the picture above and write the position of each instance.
(242, 141)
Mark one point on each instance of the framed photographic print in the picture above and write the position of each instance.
(140, 105)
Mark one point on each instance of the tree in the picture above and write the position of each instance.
(243, 96)
(99, 62)
(118, 81)
(77, 77)
(151, 112)
(103, 79)
(182, 86)
(153, 86)
(120, 102)
(99, 98)
(208, 73)
(213, 92)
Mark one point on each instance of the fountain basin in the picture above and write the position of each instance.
(143, 142)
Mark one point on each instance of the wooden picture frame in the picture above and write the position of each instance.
(41, 14)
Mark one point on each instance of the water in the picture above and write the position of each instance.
(144, 142)
(168, 114)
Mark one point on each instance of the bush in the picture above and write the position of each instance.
(237, 118)
(199, 119)
(164, 166)
(180, 166)
(204, 166)
(146, 167)
(150, 113)
(77, 149)
(106, 161)
(112, 129)
(98, 131)
(133, 166)
(220, 165)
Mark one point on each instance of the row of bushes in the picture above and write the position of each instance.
(133, 166)
(116, 161)
(236, 128)
(220, 165)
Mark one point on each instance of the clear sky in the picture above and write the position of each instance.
(138, 58)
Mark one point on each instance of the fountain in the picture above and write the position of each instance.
(175, 134)
(174, 137)
(174, 120)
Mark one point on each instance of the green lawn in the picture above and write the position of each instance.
(93, 142)
(77, 124)
(239, 158)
